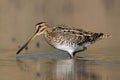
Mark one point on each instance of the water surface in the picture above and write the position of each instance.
(56, 66)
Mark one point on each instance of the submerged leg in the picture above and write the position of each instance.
(71, 55)
(84, 48)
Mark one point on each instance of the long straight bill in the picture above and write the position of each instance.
(26, 43)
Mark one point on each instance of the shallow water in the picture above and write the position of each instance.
(57, 66)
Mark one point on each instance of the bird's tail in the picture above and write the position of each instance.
(99, 36)
(104, 36)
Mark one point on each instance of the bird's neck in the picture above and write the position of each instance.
(48, 31)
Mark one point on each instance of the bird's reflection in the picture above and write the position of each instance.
(74, 70)
(61, 69)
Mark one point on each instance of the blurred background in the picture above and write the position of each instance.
(17, 24)
(18, 18)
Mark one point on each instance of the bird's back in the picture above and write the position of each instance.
(72, 36)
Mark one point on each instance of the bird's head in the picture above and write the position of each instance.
(40, 28)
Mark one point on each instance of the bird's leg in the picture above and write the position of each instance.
(84, 48)
(71, 56)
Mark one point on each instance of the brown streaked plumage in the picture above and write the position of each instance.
(66, 38)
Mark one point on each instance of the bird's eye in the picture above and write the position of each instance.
(37, 28)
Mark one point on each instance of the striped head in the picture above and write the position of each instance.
(40, 28)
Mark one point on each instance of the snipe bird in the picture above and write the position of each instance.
(66, 38)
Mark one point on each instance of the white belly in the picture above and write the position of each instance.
(71, 48)
(67, 48)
